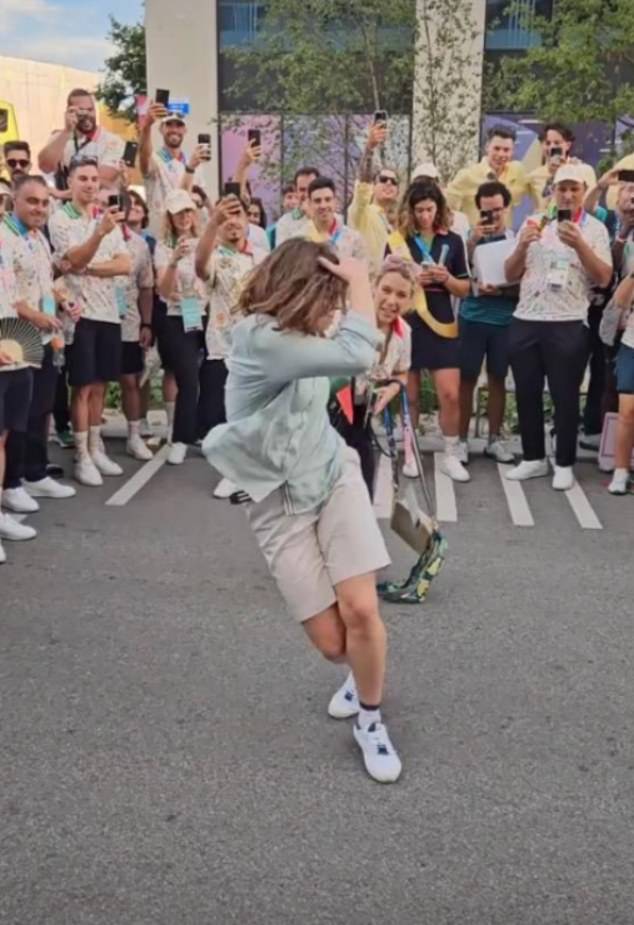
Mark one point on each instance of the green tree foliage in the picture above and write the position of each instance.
(125, 69)
(581, 69)
(328, 56)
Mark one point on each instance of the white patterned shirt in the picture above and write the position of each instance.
(8, 285)
(141, 277)
(540, 300)
(32, 265)
(227, 271)
(69, 228)
(164, 175)
(187, 283)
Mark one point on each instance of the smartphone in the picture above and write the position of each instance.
(254, 137)
(129, 153)
(232, 189)
(487, 217)
(114, 201)
(556, 152)
(626, 176)
(380, 116)
(564, 215)
(162, 97)
(205, 139)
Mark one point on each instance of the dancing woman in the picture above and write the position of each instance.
(310, 510)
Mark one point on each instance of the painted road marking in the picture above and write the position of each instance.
(446, 509)
(383, 489)
(516, 499)
(139, 479)
(582, 508)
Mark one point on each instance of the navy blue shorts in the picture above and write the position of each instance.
(95, 354)
(479, 340)
(625, 370)
(16, 389)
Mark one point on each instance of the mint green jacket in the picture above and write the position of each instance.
(278, 433)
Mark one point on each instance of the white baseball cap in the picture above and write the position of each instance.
(425, 170)
(177, 200)
(173, 117)
(572, 172)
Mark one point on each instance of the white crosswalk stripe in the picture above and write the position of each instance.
(446, 508)
(582, 508)
(516, 499)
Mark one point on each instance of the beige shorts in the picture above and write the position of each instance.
(309, 554)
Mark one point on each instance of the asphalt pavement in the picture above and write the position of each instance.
(167, 758)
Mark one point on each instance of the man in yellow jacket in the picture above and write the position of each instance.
(374, 205)
(497, 164)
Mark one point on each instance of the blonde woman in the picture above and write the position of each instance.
(181, 337)
(310, 511)
(393, 296)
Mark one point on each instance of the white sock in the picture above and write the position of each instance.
(134, 428)
(81, 444)
(94, 438)
(621, 473)
(367, 717)
(350, 682)
(451, 444)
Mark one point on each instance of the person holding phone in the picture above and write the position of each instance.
(167, 168)
(256, 231)
(181, 336)
(423, 238)
(310, 510)
(295, 224)
(81, 136)
(373, 211)
(556, 264)
(90, 251)
(557, 141)
(485, 318)
(224, 259)
(497, 164)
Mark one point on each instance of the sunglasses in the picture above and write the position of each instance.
(392, 180)
(17, 162)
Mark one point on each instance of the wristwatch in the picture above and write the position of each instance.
(189, 169)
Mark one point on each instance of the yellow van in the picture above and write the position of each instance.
(8, 122)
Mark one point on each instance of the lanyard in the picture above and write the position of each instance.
(167, 158)
(87, 140)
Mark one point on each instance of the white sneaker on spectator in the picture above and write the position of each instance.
(50, 488)
(620, 482)
(137, 449)
(451, 466)
(10, 529)
(86, 473)
(564, 478)
(3, 555)
(344, 703)
(462, 452)
(410, 469)
(224, 489)
(528, 469)
(177, 454)
(104, 464)
(500, 451)
(19, 501)
(379, 755)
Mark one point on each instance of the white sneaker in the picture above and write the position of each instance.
(452, 467)
(3, 555)
(19, 501)
(462, 453)
(87, 473)
(104, 464)
(528, 469)
(49, 488)
(410, 469)
(137, 449)
(620, 482)
(379, 756)
(177, 454)
(224, 489)
(10, 529)
(500, 451)
(564, 478)
(344, 703)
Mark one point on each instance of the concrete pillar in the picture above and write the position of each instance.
(182, 56)
(454, 31)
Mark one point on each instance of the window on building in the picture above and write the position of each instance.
(511, 31)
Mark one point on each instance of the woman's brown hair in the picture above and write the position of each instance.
(169, 235)
(418, 192)
(293, 287)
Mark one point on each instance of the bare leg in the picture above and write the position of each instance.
(413, 397)
(96, 402)
(467, 388)
(496, 404)
(79, 408)
(624, 432)
(447, 385)
(131, 397)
